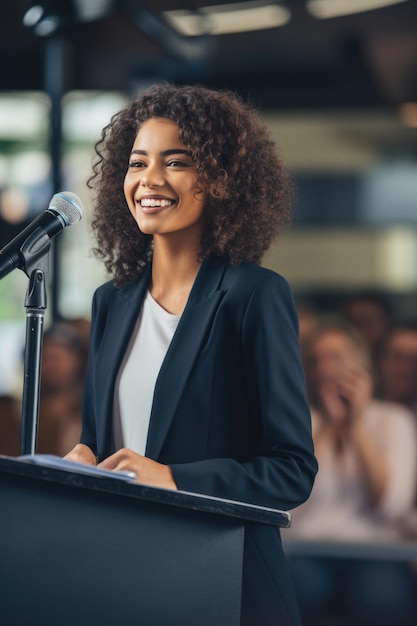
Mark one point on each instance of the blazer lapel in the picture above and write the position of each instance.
(196, 319)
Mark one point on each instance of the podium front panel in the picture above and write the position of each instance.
(72, 556)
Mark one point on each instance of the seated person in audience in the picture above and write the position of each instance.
(63, 366)
(307, 318)
(398, 375)
(398, 366)
(367, 453)
(371, 314)
(9, 425)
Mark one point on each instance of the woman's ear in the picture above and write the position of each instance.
(198, 191)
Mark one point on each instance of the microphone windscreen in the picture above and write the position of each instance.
(68, 205)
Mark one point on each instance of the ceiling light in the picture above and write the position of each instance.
(47, 17)
(336, 8)
(90, 10)
(228, 18)
(33, 15)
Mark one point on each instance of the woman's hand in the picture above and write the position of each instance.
(147, 471)
(81, 454)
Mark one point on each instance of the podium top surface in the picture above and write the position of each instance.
(48, 468)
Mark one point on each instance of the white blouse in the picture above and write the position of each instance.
(135, 383)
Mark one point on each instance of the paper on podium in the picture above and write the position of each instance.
(57, 462)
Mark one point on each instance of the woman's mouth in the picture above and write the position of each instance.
(154, 205)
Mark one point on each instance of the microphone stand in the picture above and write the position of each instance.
(35, 254)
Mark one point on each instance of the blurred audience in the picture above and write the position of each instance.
(364, 490)
(307, 318)
(398, 366)
(371, 314)
(64, 360)
(9, 425)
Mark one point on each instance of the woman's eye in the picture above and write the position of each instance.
(177, 163)
(136, 164)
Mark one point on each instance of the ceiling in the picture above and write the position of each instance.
(364, 60)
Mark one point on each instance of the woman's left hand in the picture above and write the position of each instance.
(147, 471)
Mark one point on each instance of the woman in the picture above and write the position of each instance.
(194, 379)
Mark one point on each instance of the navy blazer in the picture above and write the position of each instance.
(229, 414)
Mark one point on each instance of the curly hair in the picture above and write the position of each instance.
(249, 193)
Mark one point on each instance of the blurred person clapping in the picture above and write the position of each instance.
(363, 492)
(366, 447)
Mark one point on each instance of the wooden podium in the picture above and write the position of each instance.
(91, 550)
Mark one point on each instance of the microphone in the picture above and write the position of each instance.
(64, 209)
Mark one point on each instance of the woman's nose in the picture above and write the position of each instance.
(152, 177)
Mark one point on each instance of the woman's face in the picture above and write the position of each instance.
(160, 183)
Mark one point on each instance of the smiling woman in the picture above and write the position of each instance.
(161, 184)
(249, 193)
(194, 379)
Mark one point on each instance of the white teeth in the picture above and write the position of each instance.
(162, 202)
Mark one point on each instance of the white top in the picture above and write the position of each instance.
(135, 383)
(339, 507)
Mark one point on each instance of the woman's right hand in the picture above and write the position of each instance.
(81, 454)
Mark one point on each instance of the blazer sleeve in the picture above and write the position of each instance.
(281, 472)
